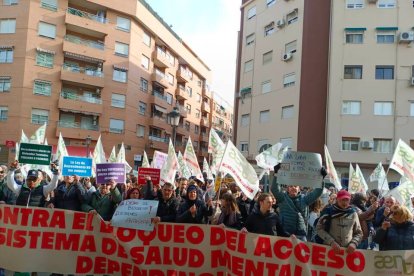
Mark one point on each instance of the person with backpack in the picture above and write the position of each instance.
(338, 225)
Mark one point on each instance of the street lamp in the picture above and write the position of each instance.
(88, 142)
(173, 120)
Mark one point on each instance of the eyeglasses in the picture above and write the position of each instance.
(1, 172)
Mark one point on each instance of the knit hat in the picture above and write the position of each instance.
(343, 194)
(191, 188)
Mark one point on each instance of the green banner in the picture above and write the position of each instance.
(35, 154)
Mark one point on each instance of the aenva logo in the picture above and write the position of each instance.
(394, 262)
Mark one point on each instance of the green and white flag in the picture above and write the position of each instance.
(170, 167)
(120, 158)
(403, 160)
(270, 157)
(112, 157)
(330, 169)
(403, 192)
(191, 159)
(379, 175)
(23, 138)
(207, 170)
(39, 136)
(61, 150)
(216, 147)
(185, 171)
(145, 162)
(356, 182)
(236, 165)
(17, 148)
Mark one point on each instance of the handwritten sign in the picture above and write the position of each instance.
(107, 171)
(135, 214)
(77, 166)
(301, 168)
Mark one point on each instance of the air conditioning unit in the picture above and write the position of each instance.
(280, 23)
(287, 56)
(367, 144)
(372, 1)
(412, 81)
(406, 37)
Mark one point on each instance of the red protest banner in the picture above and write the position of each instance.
(151, 172)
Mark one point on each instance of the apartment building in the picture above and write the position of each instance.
(320, 72)
(96, 67)
(222, 117)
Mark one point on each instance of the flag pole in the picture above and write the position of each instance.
(383, 182)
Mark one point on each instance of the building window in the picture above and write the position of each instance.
(266, 86)
(244, 146)
(287, 112)
(269, 29)
(411, 107)
(145, 62)
(189, 91)
(142, 108)
(267, 57)
(383, 145)
(292, 17)
(250, 39)
(5, 84)
(169, 98)
(251, 12)
(248, 66)
(386, 4)
(290, 47)
(10, 2)
(40, 116)
(49, 4)
(197, 113)
(270, 2)
(196, 129)
(119, 75)
(350, 144)
(351, 108)
(245, 120)
(140, 131)
(6, 55)
(44, 59)
(146, 38)
(354, 4)
(264, 116)
(47, 30)
(384, 37)
(187, 125)
(121, 49)
(123, 24)
(384, 72)
(170, 78)
(42, 87)
(353, 72)
(116, 126)
(354, 37)
(383, 108)
(188, 108)
(198, 97)
(289, 80)
(144, 85)
(287, 142)
(7, 26)
(118, 100)
(4, 110)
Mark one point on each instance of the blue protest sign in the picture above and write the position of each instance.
(77, 165)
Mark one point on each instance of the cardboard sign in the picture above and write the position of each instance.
(301, 168)
(80, 166)
(135, 214)
(35, 154)
(153, 173)
(107, 171)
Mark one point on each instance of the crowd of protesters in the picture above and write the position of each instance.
(322, 215)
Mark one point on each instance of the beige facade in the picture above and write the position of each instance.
(364, 101)
(222, 117)
(98, 68)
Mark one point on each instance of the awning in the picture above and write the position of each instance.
(82, 57)
(76, 151)
(355, 29)
(86, 112)
(43, 81)
(387, 28)
(45, 51)
(160, 109)
(246, 90)
(120, 68)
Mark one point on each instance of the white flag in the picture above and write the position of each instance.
(39, 136)
(145, 162)
(120, 158)
(191, 159)
(185, 171)
(403, 160)
(362, 178)
(236, 165)
(379, 175)
(17, 147)
(330, 169)
(23, 138)
(403, 192)
(99, 153)
(216, 147)
(270, 157)
(170, 167)
(112, 158)
(61, 150)
(355, 184)
(206, 169)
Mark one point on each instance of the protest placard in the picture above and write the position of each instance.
(77, 166)
(107, 171)
(151, 172)
(159, 159)
(35, 154)
(135, 214)
(301, 168)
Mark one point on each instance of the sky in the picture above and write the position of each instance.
(210, 28)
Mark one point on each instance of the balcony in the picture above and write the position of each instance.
(158, 143)
(205, 122)
(91, 50)
(182, 110)
(84, 104)
(75, 74)
(183, 76)
(96, 25)
(203, 152)
(160, 99)
(76, 130)
(181, 94)
(159, 122)
(159, 77)
(205, 107)
(206, 92)
(204, 137)
(160, 58)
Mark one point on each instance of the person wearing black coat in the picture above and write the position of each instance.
(263, 220)
(69, 195)
(193, 210)
(167, 204)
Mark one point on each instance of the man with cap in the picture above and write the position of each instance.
(339, 226)
(193, 209)
(32, 192)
